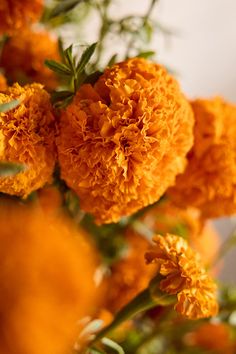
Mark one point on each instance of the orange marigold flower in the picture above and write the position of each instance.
(47, 269)
(209, 182)
(23, 58)
(184, 276)
(124, 139)
(166, 217)
(27, 137)
(3, 83)
(214, 337)
(130, 275)
(15, 14)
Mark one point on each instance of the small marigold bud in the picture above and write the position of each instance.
(47, 268)
(27, 137)
(184, 276)
(209, 181)
(23, 57)
(125, 139)
(18, 14)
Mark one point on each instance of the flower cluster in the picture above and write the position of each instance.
(125, 139)
(27, 135)
(184, 275)
(209, 182)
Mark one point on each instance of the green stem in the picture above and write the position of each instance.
(142, 302)
(146, 17)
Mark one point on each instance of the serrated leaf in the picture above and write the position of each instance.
(5, 107)
(112, 60)
(85, 58)
(63, 7)
(9, 169)
(113, 345)
(146, 55)
(58, 68)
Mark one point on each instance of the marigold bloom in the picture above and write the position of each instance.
(47, 271)
(209, 182)
(3, 83)
(15, 14)
(130, 275)
(27, 137)
(166, 217)
(215, 337)
(23, 58)
(184, 276)
(124, 139)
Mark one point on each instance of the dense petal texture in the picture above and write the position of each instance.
(209, 181)
(27, 137)
(130, 275)
(23, 58)
(184, 275)
(47, 269)
(18, 14)
(125, 139)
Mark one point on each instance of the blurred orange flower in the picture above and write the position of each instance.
(27, 137)
(125, 139)
(130, 275)
(209, 181)
(166, 217)
(47, 280)
(184, 275)
(213, 337)
(23, 57)
(3, 83)
(15, 14)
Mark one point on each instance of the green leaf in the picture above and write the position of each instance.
(9, 169)
(92, 78)
(69, 58)
(146, 32)
(147, 54)
(95, 351)
(5, 107)
(112, 60)
(113, 345)
(58, 68)
(86, 57)
(63, 7)
(60, 47)
(60, 95)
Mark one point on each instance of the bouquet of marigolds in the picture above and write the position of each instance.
(108, 178)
